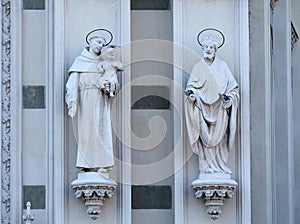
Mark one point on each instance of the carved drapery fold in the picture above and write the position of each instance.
(272, 3)
(294, 35)
(5, 111)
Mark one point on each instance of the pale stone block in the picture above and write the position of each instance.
(154, 24)
(151, 57)
(157, 216)
(34, 47)
(160, 147)
(152, 149)
(34, 147)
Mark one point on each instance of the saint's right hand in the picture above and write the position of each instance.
(72, 109)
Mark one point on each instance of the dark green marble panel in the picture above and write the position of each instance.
(33, 4)
(36, 194)
(150, 97)
(151, 197)
(150, 5)
(33, 97)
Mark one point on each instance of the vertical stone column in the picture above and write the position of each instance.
(260, 109)
(282, 115)
(296, 114)
(296, 101)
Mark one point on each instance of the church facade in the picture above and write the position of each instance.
(154, 163)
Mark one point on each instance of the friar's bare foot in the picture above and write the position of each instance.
(102, 170)
(209, 170)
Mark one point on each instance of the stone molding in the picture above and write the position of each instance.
(6, 111)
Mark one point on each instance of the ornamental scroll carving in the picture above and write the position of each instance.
(6, 111)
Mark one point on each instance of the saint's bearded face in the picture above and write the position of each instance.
(209, 51)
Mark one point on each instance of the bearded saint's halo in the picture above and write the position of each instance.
(211, 35)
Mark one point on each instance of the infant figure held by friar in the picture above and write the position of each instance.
(109, 68)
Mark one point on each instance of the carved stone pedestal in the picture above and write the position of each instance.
(214, 189)
(93, 188)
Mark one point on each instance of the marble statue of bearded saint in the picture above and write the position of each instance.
(89, 107)
(211, 111)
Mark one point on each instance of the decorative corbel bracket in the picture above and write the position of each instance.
(93, 188)
(214, 192)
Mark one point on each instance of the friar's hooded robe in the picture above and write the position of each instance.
(211, 127)
(92, 123)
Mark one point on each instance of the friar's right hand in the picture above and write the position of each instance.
(72, 109)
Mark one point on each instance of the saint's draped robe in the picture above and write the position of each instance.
(211, 127)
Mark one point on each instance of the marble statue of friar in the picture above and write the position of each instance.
(89, 106)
